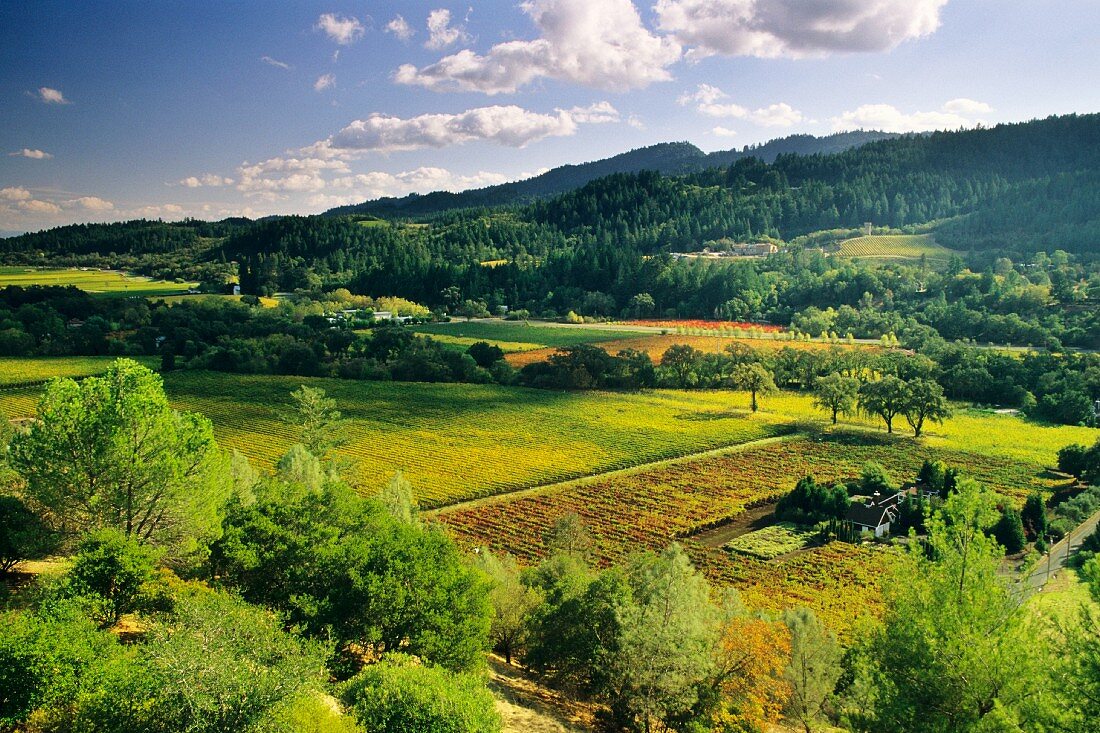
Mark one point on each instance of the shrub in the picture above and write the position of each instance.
(399, 694)
(23, 535)
(109, 571)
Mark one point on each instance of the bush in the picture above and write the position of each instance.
(398, 695)
(109, 571)
(1009, 531)
(1072, 460)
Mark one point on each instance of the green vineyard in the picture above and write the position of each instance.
(895, 247)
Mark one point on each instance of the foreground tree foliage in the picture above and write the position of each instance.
(814, 667)
(953, 653)
(400, 695)
(23, 534)
(342, 567)
(109, 452)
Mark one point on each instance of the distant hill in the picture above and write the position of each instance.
(677, 158)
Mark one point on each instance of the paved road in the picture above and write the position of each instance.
(1049, 566)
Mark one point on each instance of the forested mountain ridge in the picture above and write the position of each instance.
(676, 158)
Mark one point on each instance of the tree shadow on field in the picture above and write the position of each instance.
(710, 415)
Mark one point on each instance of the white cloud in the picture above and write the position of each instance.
(954, 114)
(440, 31)
(707, 100)
(506, 125)
(274, 62)
(207, 179)
(635, 122)
(275, 175)
(343, 31)
(795, 28)
(324, 82)
(91, 203)
(37, 206)
(15, 193)
(32, 154)
(400, 28)
(51, 96)
(420, 180)
(724, 132)
(596, 43)
(594, 114)
(967, 107)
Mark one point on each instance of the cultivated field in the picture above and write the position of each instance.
(656, 345)
(101, 282)
(16, 370)
(641, 469)
(518, 332)
(895, 247)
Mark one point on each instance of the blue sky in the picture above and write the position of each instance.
(168, 109)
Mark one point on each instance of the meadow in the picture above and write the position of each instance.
(894, 247)
(100, 282)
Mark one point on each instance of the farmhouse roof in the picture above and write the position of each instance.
(870, 516)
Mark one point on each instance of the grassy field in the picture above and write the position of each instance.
(101, 282)
(518, 332)
(895, 247)
(771, 542)
(19, 370)
(465, 342)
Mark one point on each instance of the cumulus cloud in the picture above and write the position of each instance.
(420, 180)
(400, 28)
(32, 154)
(15, 193)
(709, 100)
(51, 96)
(324, 82)
(207, 179)
(506, 125)
(724, 132)
(293, 174)
(342, 30)
(952, 115)
(440, 31)
(596, 43)
(38, 206)
(795, 28)
(594, 114)
(274, 62)
(90, 203)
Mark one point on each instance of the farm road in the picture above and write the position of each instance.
(1059, 553)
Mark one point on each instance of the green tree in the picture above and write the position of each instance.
(109, 452)
(397, 497)
(569, 536)
(836, 394)
(1009, 531)
(320, 422)
(400, 695)
(885, 398)
(754, 379)
(668, 632)
(216, 664)
(814, 667)
(108, 572)
(23, 535)
(924, 402)
(1034, 516)
(342, 568)
(953, 646)
(512, 602)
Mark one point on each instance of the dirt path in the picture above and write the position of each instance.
(747, 521)
(640, 468)
(528, 708)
